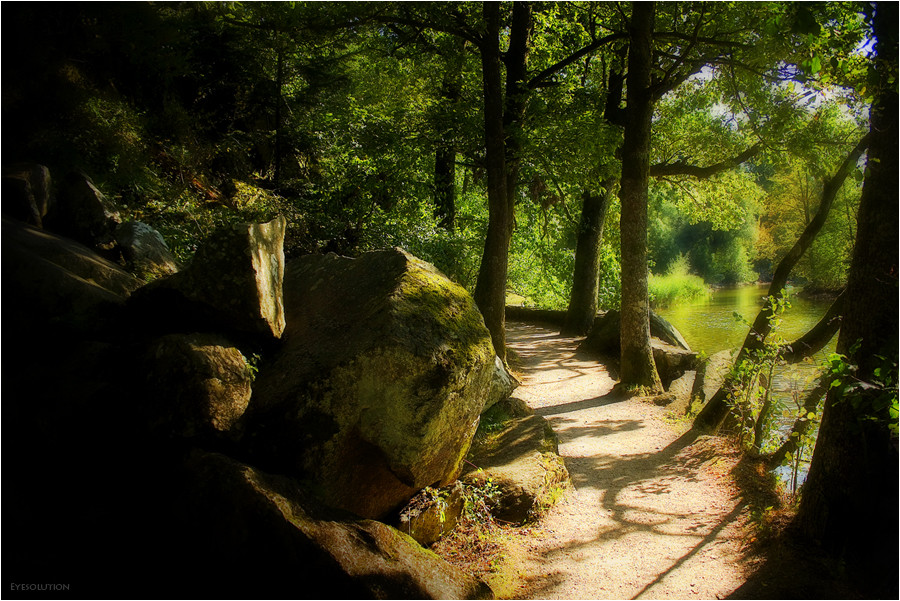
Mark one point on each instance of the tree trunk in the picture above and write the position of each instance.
(490, 288)
(850, 499)
(279, 85)
(586, 276)
(445, 186)
(501, 117)
(445, 155)
(515, 59)
(637, 367)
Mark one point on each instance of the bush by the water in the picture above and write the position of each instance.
(678, 284)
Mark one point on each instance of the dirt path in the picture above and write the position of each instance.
(650, 518)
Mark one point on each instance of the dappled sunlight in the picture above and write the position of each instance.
(647, 504)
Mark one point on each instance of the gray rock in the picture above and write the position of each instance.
(26, 192)
(502, 385)
(196, 385)
(515, 460)
(50, 279)
(711, 375)
(145, 250)
(376, 391)
(83, 213)
(604, 337)
(671, 361)
(265, 531)
(681, 389)
(432, 513)
(234, 283)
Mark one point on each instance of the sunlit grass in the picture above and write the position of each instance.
(677, 285)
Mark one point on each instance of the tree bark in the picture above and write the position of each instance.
(850, 498)
(637, 367)
(445, 186)
(445, 155)
(815, 339)
(490, 288)
(501, 116)
(586, 277)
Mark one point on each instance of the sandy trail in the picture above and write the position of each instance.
(650, 517)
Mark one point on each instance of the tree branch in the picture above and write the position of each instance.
(539, 79)
(681, 168)
(816, 339)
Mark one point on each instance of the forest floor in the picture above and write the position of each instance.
(655, 512)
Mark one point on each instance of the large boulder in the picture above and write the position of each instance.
(196, 385)
(83, 213)
(145, 250)
(671, 361)
(26, 192)
(50, 280)
(376, 392)
(265, 533)
(515, 460)
(233, 284)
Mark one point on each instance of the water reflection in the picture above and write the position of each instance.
(709, 325)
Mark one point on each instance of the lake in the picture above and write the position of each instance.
(709, 325)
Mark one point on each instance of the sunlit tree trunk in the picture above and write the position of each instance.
(637, 366)
(501, 149)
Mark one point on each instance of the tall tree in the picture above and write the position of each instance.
(637, 366)
(586, 277)
(490, 289)
(850, 498)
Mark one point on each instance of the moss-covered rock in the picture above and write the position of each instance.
(253, 534)
(233, 284)
(376, 392)
(196, 385)
(516, 454)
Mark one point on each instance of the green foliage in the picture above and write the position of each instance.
(872, 399)
(752, 379)
(481, 496)
(677, 285)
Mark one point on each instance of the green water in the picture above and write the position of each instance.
(709, 324)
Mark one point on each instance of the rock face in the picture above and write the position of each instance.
(234, 281)
(711, 375)
(145, 250)
(432, 513)
(376, 392)
(671, 361)
(517, 452)
(502, 385)
(264, 531)
(680, 388)
(197, 385)
(83, 213)
(26, 192)
(52, 279)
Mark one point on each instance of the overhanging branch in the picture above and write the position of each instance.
(681, 168)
